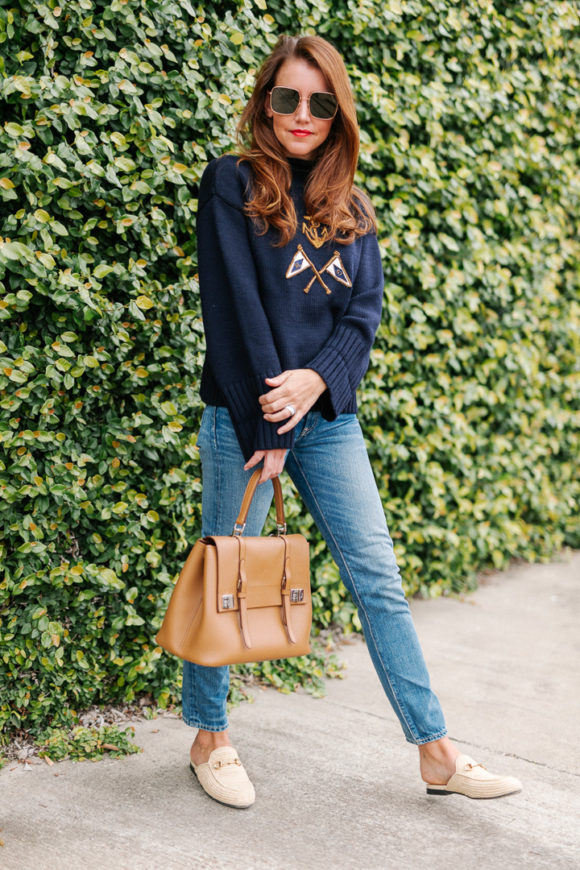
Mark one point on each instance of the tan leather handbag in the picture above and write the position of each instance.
(242, 599)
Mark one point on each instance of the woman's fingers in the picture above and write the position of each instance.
(254, 460)
(273, 464)
(278, 380)
(281, 404)
(295, 392)
(287, 419)
(284, 414)
(275, 407)
(274, 401)
(289, 424)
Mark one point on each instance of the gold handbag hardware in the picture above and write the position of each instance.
(242, 598)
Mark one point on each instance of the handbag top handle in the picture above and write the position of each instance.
(240, 523)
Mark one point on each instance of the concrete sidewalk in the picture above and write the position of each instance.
(337, 785)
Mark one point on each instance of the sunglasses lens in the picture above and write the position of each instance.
(284, 101)
(323, 106)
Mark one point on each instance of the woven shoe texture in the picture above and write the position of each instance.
(224, 778)
(473, 780)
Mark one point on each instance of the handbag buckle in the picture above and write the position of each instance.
(238, 529)
(228, 602)
(281, 528)
(297, 596)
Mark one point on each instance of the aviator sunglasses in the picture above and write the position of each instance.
(285, 101)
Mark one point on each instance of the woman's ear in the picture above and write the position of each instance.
(267, 107)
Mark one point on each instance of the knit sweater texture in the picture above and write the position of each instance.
(312, 303)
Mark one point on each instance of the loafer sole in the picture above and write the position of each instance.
(217, 800)
(487, 797)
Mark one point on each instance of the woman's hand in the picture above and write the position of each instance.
(273, 462)
(295, 388)
(299, 388)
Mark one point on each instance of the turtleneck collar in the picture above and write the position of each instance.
(301, 168)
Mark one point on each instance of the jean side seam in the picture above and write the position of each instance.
(218, 476)
(359, 604)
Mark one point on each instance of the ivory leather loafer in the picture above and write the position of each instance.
(473, 780)
(224, 778)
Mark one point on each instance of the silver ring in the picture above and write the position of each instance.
(291, 409)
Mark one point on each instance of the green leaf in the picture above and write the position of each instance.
(15, 251)
(13, 129)
(42, 216)
(82, 660)
(46, 259)
(144, 302)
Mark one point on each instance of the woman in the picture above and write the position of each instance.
(291, 288)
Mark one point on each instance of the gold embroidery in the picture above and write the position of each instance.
(313, 233)
(335, 267)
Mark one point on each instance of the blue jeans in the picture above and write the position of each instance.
(330, 468)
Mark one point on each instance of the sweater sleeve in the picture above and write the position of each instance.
(240, 348)
(344, 358)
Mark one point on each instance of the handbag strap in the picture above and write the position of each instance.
(240, 523)
(242, 593)
(285, 590)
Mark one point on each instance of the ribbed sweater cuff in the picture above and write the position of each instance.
(242, 397)
(266, 437)
(344, 352)
(254, 433)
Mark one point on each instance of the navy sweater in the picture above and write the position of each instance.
(312, 303)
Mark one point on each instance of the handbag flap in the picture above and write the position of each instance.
(264, 570)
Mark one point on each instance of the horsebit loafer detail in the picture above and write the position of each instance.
(473, 780)
(224, 778)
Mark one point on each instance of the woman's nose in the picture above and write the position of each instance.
(303, 110)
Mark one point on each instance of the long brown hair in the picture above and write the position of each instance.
(330, 195)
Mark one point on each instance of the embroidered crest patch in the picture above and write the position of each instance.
(299, 264)
(337, 270)
(334, 267)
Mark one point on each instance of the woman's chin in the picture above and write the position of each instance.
(300, 149)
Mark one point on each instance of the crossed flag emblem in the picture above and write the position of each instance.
(301, 261)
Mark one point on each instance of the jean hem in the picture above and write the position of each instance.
(204, 726)
(419, 741)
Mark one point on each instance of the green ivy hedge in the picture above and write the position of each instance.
(111, 111)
